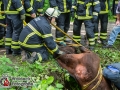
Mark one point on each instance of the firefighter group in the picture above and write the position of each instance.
(28, 26)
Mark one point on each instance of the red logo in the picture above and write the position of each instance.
(6, 82)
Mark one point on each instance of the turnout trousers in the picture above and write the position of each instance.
(2, 31)
(63, 22)
(103, 18)
(89, 30)
(14, 28)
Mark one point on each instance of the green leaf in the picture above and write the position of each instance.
(50, 88)
(59, 86)
(50, 79)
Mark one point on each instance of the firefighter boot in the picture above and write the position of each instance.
(8, 51)
(104, 42)
(32, 59)
(24, 56)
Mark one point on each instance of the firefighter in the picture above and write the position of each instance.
(15, 15)
(63, 21)
(33, 8)
(2, 20)
(103, 18)
(85, 11)
(114, 7)
(36, 38)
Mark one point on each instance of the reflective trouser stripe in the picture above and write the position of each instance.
(39, 57)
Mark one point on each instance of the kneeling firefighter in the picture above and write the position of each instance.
(36, 38)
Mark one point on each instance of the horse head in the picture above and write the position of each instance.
(84, 67)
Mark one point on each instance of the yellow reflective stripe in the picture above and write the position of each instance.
(118, 35)
(103, 33)
(106, 3)
(54, 50)
(28, 36)
(66, 11)
(103, 37)
(30, 46)
(13, 42)
(116, 2)
(96, 34)
(97, 2)
(8, 39)
(39, 10)
(65, 8)
(61, 38)
(9, 4)
(74, 36)
(31, 3)
(103, 12)
(78, 40)
(1, 43)
(19, 9)
(74, 7)
(92, 43)
(91, 39)
(96, 37)
(29, 9)
(2, 17)
(15, 47)
(34, 30)
(106, 10)
(0, 5)
(87, 9)
(95, 13)
(46, 35)
(1, 40)
(83, 17)
(27, 14)
(80, 2)
(8, 44)
(39, 0)
(51, 51)
(39, 57)
(11, 12)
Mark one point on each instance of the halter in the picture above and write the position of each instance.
(97, 84)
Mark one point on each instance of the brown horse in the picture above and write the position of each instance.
(84, 67)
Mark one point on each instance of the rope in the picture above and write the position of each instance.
(97, 84)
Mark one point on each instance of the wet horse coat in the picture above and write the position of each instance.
(85, 68)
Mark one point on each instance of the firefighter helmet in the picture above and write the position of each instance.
(52, 12)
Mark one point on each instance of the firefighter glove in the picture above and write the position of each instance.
(22, 17)
(56, 55)
(94, 19)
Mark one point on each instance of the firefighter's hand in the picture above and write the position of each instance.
(41, 14)
(33, 15)
(56, 55)
(22, 17)
(83, 49)
(94, 19)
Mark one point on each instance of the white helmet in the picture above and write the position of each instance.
(52, 12)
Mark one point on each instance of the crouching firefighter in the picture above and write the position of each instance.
(36, 38)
